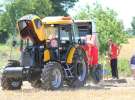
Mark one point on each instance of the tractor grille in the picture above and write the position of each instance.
(26, 59)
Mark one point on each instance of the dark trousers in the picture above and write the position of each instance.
(95, 73)
(114, 68)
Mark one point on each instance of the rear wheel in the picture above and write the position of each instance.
(52, 76)
(80, 70)
(10, 83)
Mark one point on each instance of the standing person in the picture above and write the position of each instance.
(92, 54)
(94, 64)
(87, 48)
(132, 64)
(113, 54)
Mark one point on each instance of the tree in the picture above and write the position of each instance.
(60, 7)
(108, 26)
(14, 9)
(133, 25)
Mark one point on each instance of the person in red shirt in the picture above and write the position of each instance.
(113, 54)
(94, 67)
(88, 52)
(91, 49)
(94, 55)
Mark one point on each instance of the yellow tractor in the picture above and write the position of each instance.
(51, 56)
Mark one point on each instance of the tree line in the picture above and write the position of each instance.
(108, 24)
(11, 10)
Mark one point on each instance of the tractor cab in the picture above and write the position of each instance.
(87, 30)
(84, 27)
(62, 34)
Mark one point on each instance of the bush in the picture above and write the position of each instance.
(123, 66)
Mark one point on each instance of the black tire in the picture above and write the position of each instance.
(36, 84)
(47, 76)
(10, 84)
(80, 70)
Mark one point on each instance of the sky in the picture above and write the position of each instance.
(124, 8)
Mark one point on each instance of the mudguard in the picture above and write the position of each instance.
(70, 55)
(13, 72)
(72, 52)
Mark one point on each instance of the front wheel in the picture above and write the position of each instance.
(10, 83)
(52, 76)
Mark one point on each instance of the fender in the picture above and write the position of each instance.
(13, 72)
(70, 55)
(47, 55)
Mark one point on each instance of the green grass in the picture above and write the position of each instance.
(124, 67)
(5, 51)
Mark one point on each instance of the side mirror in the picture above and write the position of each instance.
(14, 43)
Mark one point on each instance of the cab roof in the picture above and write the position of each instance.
(28, 17)
(57, 20)
(82, 21)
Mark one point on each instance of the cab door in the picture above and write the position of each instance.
(65, 40)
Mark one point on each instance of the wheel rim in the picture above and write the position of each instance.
(56, 78)
(81, 70)
(15, 83)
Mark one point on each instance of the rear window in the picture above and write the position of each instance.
(83, 32)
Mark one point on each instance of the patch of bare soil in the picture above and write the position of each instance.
(123, 89)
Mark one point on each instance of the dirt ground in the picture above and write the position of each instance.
(106, 90)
